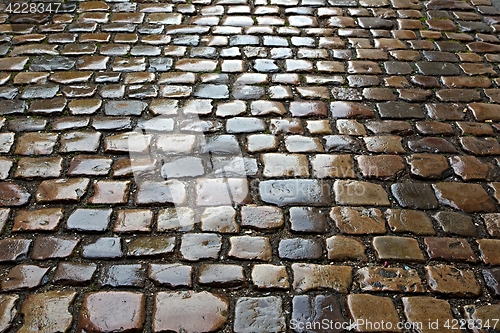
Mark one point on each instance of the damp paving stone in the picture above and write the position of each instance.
(259, 314)
(414, 195)
(74, 274)
(171, 275)
(47, 312)
(65, 190)
(492, 223)
(12, 194)
(368, 308)
(308, 219)
(492, 278)
(219, 219)
(321, 277)
(89, 220)
(456, 223)
(124, 108)
(488, 249)
(449, 249)
(431, 145)
(24, 277)
(151, 246)
(452, 281)
(8, 311)
(210, 308)
(250, 248)
(218, 275)
(50, 247)
(295, 192)
(427, 166)
(399, 249)
(45, 219)
(200, 246)
(103, 248)
(308, 310)
(390, 279)
(122, 276)
(406, 220)
(358, 221)
(299, 249)
(112, 311)
(466, 197)
(150, 192)
(357, 193)
(424, 309)
(14, 249)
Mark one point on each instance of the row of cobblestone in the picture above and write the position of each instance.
(250, 166)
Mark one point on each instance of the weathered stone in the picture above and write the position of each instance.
(342, 248)
(386, 167)
(217, 275)
(358, 220)
(368, 309)
(22, 277)
(492, 279)
(151, 246)
(414, 221)
(219, 219)
(308, 219)
(122, 276)
(414, 195)
(47, 312)
(12, 194)
(456, 223)
(62, 190)
(449, 249)
(295, 192)
(103, 248)
(397, 249)
(480, 146)
(467, 197)
(43, 167)
(452, 281)
(489, 251)
(172, 275)
(422, 310)
(175, 218)
(284, 165)
(427, 165)
(189, 311)
(356, 193)
(259, 314)
(8, 311)
(150, 192)
(46, 219)
(333, 166)
(299, 248)
(213, 192)
(390, 279)
(112, 311)
(250, 248)
(200, 246)
(89, 219)
(74, 274)
(266, 276)
(486, 315)
(50, 247)
(14, 249)
(308, 310)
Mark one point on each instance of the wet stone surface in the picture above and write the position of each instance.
(233, 165)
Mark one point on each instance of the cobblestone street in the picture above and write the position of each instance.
(250, 166)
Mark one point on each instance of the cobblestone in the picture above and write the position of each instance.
(344, 151)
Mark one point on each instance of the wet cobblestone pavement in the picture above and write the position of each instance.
(250, 166)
